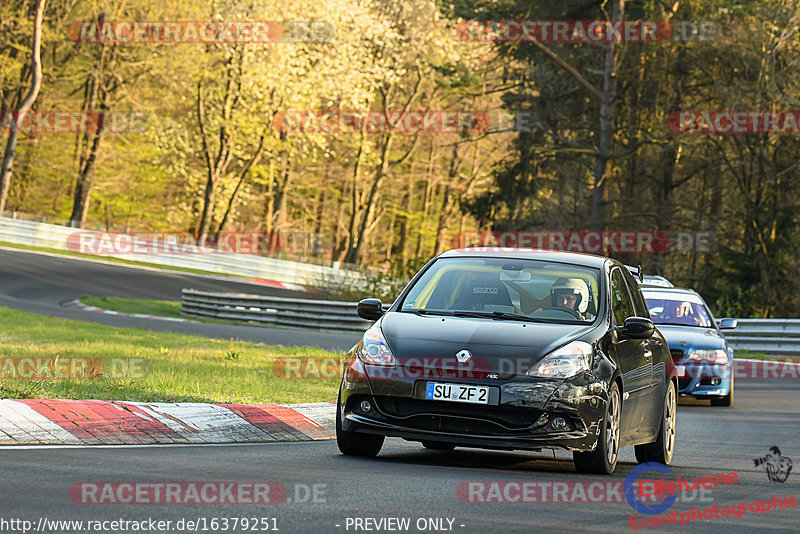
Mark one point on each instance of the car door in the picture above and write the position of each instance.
(634, 359)
(657, 353)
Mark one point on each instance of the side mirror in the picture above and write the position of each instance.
(370, 309)
(728, 324)
(637, 328)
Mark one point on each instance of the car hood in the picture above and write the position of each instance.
(691, 337)
(414, 336)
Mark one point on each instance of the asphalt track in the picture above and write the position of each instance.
(43, 283)
(407, 481)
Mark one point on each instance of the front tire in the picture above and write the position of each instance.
(603, 460)
(662, 449)
(353, 443)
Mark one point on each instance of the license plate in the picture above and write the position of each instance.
(457, 393)
(681, 370)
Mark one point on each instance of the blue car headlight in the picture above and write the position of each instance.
(715, 356)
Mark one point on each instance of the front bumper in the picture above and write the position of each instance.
(520, 414)
(704, 381)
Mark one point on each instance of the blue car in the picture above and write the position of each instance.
(702, 356)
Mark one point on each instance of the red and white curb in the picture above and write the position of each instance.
(97, 422)
(85, 307)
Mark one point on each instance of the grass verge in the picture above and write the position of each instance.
(761, 356)
(139, 365)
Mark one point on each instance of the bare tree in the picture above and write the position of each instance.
(25, 106)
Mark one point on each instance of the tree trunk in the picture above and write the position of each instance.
(426, 200)
(444, 214)
(597, 218)
(664, 204)
(83, 188)
(390, 236)
(217, 165)
(242, 176)
(408, 203)
(354, 254)
(323, 197)
(279, 215)
(355, 203)
(24, 108)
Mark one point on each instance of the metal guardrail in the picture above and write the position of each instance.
(308, 313)
(58, 237)
(775, 337)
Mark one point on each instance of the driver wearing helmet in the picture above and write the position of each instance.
(570, 293)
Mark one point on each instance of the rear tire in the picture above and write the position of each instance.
(662, 449)
(438, 445)
(727, 400)
(603, 459)
(354, 443)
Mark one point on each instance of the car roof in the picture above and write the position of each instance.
(574, 258)
(645, 285)
(667, 292)
(656, 280)
(662, 289)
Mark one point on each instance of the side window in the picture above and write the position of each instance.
(620, 299)
(639, 304)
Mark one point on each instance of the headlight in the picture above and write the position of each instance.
(374, 349)
(717, 356)
(565, 362)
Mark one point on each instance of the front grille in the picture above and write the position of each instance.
(456, 417)
(451, 425)
(677, 354)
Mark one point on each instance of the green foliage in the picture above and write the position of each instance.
(419, 193)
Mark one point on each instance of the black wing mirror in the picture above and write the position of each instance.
(370, 309)
(637, 328)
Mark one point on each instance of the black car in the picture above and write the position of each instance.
(513, 350)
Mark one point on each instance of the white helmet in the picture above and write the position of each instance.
(575, 286)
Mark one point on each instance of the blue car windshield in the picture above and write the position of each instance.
(512, 289)
(678, 309)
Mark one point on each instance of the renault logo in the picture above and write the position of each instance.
(463, 356)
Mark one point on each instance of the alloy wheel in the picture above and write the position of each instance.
(612, 427)
(670, 419)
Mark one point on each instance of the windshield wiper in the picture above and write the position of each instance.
(684, 324)
(428, 312)
(497, 315)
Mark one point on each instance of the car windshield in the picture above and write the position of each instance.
(506, 289)
(678, 309)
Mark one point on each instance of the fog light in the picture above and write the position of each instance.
(365, 406)
(716, 381)
(559, 423)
